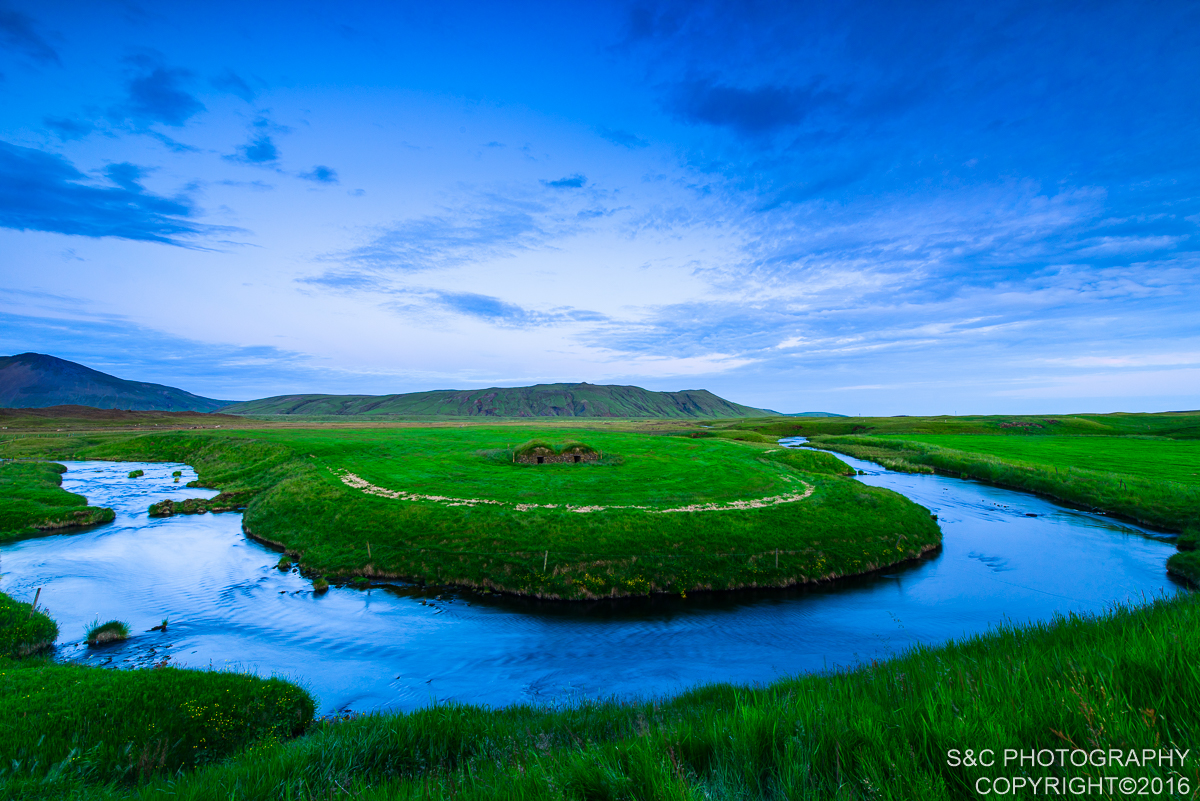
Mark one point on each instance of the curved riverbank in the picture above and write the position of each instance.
(814, 525)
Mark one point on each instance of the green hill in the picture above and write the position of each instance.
(36, 381)
(541, 400)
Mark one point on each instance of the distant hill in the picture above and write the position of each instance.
(36, 381)
(541, 400)
(813, 414)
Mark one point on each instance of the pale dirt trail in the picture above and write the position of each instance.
(361, 484)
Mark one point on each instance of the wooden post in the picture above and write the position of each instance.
(545, 560)
(368, 550)
(37, 595)
(776, 557)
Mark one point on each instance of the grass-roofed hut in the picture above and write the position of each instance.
(537, 451)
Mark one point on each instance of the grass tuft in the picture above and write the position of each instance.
(136, 473)
(103, 633)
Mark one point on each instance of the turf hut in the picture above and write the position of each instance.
(539, 452)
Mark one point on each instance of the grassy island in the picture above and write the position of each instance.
(638, 514)
(33, 502)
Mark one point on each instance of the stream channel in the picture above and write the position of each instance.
(402, 647)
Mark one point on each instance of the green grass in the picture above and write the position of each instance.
(1128, 680)
(103, 633)
(1187, 565)
(1175, 425)
(70, 724)
(1153, 459)
(23, 629)
(70, 729)
(297, 502)
(1138, 495)
(33, 502)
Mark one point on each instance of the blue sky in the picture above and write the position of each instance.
(872, 208)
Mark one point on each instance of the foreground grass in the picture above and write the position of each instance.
(70, 726)
(289, 482)
(1160, 503)
(32, 501)
(1128, 680)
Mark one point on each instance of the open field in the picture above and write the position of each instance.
(1129, 680)
(32, 501)
(1160, 503)
(447, 506)
(1154, 459)
(1174, 425)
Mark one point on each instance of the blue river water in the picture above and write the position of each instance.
(1007, 556)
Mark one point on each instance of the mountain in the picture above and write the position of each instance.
(35, 381)
(813, 414)
(541, 400)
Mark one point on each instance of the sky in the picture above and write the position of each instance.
(854, 207)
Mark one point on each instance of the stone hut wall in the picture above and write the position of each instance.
(558, 458)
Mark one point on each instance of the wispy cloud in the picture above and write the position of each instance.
(259, 150)
(17, 31)
(569, 182)
(749, 111)
(321, 175)
(479, 228)
(158, 93)
(495, 310)
(622, 138)
(229, 81)
(42, 191)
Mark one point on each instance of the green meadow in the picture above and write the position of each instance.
(1126, 680)
(449, 505)
(1157, 459)
(32, 502)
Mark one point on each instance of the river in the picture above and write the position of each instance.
(1006, 556)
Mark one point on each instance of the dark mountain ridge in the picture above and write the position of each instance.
(38, 381)
(540, 400)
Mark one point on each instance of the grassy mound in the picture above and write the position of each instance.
(520, 536)
(23, 630)
(1127, 680)
(103, 633)
(32, 501)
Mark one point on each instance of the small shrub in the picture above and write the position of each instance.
(103, 633)
(136, 473)
(177, 473)
(320, 585)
